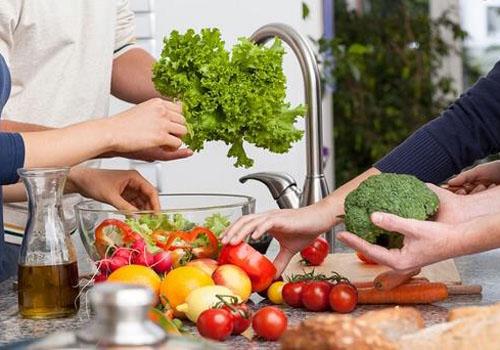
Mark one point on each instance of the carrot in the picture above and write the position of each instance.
(391, 279)
(369, 284)
(422, 293)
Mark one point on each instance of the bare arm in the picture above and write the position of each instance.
(131, 76)
(12, 126)
(155, 123)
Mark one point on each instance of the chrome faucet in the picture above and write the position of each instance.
(282, 186)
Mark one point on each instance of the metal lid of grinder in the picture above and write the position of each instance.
(121, 316)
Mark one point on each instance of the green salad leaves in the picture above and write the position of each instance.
(230, 97)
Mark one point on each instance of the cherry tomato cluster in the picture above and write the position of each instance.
(230, 318)
(317, 292)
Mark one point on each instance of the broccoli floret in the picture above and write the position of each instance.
(402, 195)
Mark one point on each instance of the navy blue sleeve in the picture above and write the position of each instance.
(11, 157)
(467, 131)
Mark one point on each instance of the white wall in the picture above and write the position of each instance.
(210, 170)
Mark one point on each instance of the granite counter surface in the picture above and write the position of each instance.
(481, 269)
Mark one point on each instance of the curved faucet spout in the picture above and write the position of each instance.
(315, 186)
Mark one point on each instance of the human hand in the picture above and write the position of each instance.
(147, 126)
(477, 179)
(425, 242)
(294, 229)
(123, 189)
(154, 154)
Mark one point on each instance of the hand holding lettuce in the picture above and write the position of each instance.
(228, 96)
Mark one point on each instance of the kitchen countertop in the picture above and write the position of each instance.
(478, 269)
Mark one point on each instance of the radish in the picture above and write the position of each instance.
(123, 253)
(139, 245)
(144, 258)
(103, 266)
(100, 278)
(117, 262)
(162, 262)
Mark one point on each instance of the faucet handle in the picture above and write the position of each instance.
(275, 182)
(282, 186)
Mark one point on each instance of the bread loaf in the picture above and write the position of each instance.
(469, 311)
(335, 332)
(473, 332)
(395, 322)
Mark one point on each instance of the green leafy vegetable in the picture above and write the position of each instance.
(228, 97)
(217, 223)
(403, 195)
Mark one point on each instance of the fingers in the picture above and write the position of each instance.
(147, 193)
(177, 154)
(177, 129)
(281, 261)
(120, 203)
(393, 223)
(234, 232)
(478, 188)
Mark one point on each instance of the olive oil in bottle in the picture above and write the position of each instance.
(48, 291)
(48, 271)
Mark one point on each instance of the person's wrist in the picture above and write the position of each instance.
(105, 129)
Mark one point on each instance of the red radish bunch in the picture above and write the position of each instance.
(161, 262)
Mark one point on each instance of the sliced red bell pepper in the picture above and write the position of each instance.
(181, 239)
(259, 268)
(103, 241)
(208, 251)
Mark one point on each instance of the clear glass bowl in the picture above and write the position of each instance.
(195, 207)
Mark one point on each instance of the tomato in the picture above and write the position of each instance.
(365, 259)
(259, 268)
(315, 253)
(215, 324)
(315, 295)
(269, 323)
(343, 297)
(242, 317)
(275, 292)
(292, 293)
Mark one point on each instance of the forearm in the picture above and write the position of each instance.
(480, 204)
(68, 146)
(12, 126)
(479, 235)
(467, 131)
(14, 193)
(131, 76)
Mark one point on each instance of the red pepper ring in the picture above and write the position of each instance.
(103, 242)
(208, 251)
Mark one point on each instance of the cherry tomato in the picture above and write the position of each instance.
(365, 259)
(315, 295)
(269, 323)
(316, 252)
(343, 297)
(215, 324)
(259, 268)
(242, 317)
(292, 293)
(275, 292)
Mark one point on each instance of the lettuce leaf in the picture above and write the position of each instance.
(231, 97)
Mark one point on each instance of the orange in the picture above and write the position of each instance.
(181, 281)
(137, 274)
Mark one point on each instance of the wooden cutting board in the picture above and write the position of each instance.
(347, 264)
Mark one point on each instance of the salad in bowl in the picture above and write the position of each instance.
(187, 227)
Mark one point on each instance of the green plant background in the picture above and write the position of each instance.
(384, 69)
